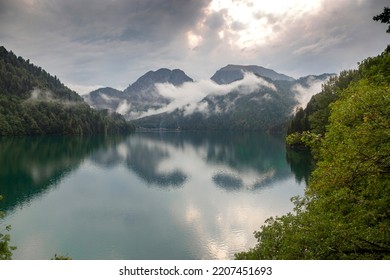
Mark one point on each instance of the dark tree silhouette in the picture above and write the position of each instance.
(384, 17)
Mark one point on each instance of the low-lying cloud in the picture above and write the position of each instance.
(41, 95)
(188, 97)
(123, 107)
(303, 94)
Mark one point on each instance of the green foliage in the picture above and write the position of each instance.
(315, 116)
(32, 102)
(345, 212)
(303, 141)
(294, 139)
(5, 248)
(384, 17)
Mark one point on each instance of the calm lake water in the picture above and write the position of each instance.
(152, 195)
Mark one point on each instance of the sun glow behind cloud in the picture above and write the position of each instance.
(250, 23)
(193, 39)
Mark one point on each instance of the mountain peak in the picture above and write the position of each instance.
(232, 72)
(175, 77)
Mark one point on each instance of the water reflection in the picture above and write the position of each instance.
(173, 195)
(301, 164)
(242, 160)
(31, 165)
(146, 158)
(227, 181)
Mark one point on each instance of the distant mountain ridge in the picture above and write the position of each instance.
(267, 107)
(231, 73)
(270, 101)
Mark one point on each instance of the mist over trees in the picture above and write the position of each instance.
(344, 213)
(32, 102)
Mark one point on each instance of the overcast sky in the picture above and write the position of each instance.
(93, 43)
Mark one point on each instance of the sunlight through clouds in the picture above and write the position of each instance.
(248, 23)
(193, 39)
(112, 43)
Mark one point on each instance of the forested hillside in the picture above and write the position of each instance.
(265, 107)
(33, 102)
(345, 212)
(310, 123)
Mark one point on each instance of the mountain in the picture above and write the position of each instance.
(255, 104)
(138, 97)
(307, 80)
(236, 97)
(231, 73)
(240, 109)
(147, 82)
(33, 102)
(104, 98)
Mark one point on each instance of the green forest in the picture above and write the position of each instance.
(345, 212)
(32, 102)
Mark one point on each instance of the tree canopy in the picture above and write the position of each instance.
(345, 212)
(384, 17)
(5, 248)
(32, 102)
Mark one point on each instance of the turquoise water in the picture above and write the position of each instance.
(152, 195)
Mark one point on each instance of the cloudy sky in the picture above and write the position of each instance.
(93, 43)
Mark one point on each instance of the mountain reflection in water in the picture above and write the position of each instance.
(151, 195)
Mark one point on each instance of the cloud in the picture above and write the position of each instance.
(40, 95)
(111, 43)
(294, 37)
(94, 41)
(305, 93)
(188, 97)
(123, 107)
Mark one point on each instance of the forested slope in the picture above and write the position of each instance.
(34, 102)
(345, 212)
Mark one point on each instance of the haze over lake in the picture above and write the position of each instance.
(152, 195)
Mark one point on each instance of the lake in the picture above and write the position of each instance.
(149, 195)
